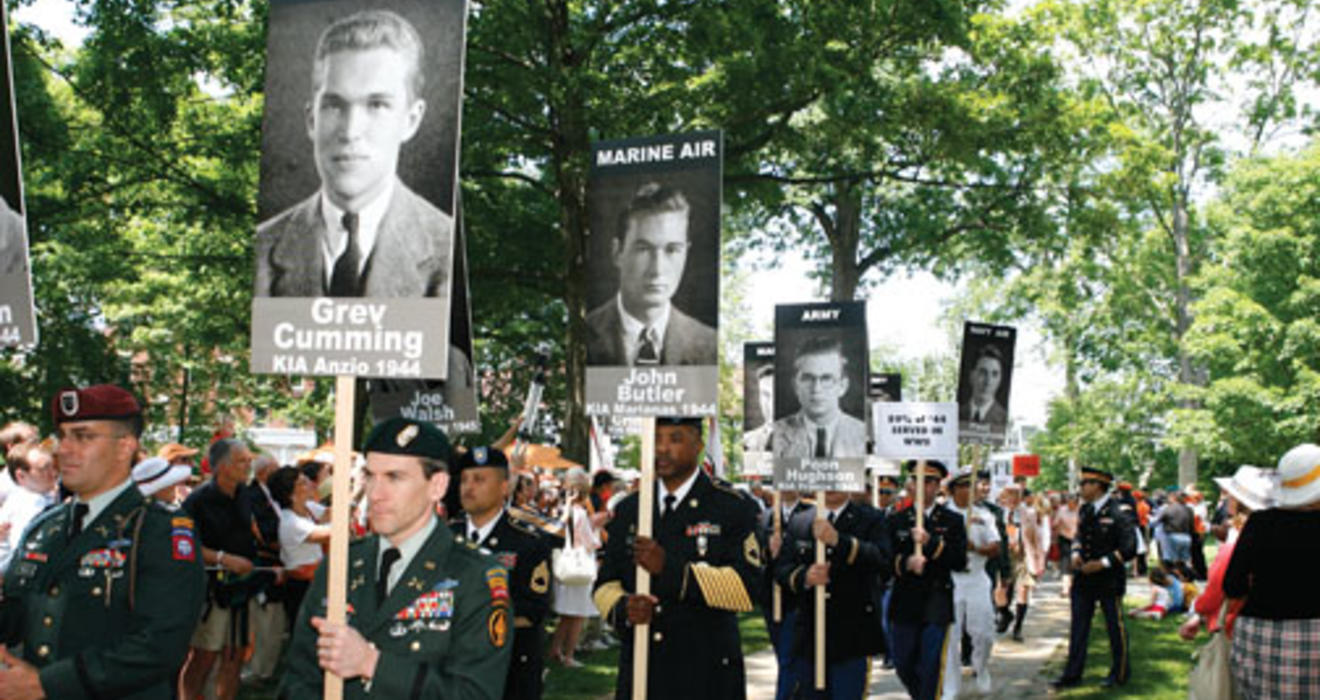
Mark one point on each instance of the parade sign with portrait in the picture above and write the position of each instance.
(758, 408)
(359, 164)
(653, 275)
(18, 319)
(451, 403)
(820, 433)
(985, 376)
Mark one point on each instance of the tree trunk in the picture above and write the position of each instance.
(1187, 374)
(1072, 391)
(569, 157)
(845, 274)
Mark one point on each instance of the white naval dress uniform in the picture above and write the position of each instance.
(973, 606)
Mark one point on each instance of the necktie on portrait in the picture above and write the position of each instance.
(345, 281)
(646, 351)
(820, 442)
(387, 560)
(76, 522)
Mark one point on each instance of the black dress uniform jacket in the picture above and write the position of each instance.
(711, 571)
(765, 529)
(108, 613)
(1109, 535)
(928, 598)
(443, 631)
(527, 557)
(852, 626)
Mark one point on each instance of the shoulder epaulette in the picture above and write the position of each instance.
(47, 514)
(521, 527)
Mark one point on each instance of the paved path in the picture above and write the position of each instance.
(1016, 667)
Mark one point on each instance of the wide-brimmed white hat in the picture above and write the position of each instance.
(1251, 486)
(154, 474)
(1299, 476)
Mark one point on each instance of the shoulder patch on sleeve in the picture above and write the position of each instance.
(540, 582)
(497, 626)
(498, 582)
(182, 546)
(752, 550)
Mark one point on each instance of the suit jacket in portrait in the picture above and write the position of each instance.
(11, 240)
(411, 256)
(793, 436)
(687, 341)
(996, 415)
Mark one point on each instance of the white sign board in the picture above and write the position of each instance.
(915, 430)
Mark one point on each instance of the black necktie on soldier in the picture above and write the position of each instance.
(387, 560)
(344, 281)
(79, 514)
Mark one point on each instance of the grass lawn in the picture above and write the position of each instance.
(1160, 659)
(596, 678)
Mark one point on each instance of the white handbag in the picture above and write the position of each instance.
(573, 565)
(1211, 677)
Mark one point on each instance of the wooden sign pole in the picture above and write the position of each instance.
(777, 614)
(875, 489)
(820, 601)
(645, 504)
(920, 500)
(337, 579)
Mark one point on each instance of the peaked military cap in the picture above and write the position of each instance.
(1100, 475)
(483, 457)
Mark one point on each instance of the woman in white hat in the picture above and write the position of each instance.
(1248, 491)
(1276, 640)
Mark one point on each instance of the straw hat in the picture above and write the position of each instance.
(1299, 476)
(1251, 486)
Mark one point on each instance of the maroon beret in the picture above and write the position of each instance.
(99, 402)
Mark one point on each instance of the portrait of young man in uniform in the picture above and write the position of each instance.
(640, 325)
(364, 232)
(820, 428)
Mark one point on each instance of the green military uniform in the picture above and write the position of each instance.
(443, 631)
(107, 613)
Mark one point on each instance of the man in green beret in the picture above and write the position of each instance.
(428, 614)
(105, 589)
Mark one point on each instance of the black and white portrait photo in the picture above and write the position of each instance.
(758, 396)
(820, 381)
(17, 316)
(355, 246)
(359, 149)
(653, 275)
(985, 375)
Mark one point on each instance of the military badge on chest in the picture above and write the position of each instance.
(432, 611)
(703, 531)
